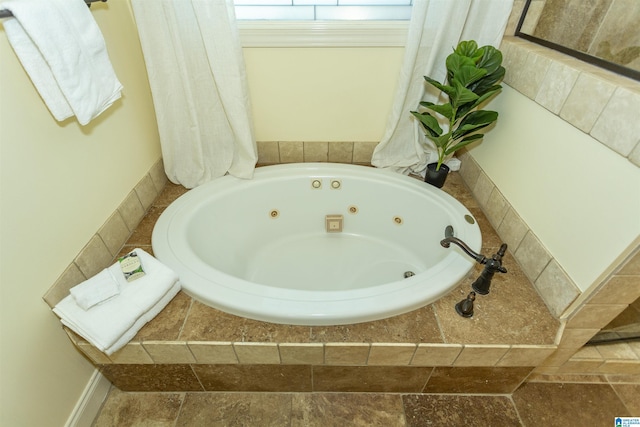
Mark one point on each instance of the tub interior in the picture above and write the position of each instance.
(274, 233)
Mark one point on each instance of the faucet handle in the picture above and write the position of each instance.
(495, 263)
(502, 250)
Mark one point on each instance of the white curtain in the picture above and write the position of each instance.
(198, 83)
(436, 28)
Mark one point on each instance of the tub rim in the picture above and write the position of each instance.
(295, 306)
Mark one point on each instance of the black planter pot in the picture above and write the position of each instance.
(436, 177)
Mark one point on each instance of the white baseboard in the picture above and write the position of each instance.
(90, 402)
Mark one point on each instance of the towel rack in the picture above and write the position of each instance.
(4, 13)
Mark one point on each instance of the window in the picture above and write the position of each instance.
(604, 33)
(323, 23)
(324, 10)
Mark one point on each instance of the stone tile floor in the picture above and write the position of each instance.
(545, 404)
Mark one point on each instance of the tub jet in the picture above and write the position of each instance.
(333, 223)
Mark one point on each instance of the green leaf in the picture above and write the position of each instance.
(429, 123)
(469, 74)
(440, 141)
(491, 60)
(468, 129)
(474, 121)
(468, 48)
(488, 82)
(466, 141)
(479, 117)
(461, 95)
(449, 90)
(443, 109)
(464, 109)
(436, 83)
(455, 63)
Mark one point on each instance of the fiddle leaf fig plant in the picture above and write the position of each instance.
(473, 76)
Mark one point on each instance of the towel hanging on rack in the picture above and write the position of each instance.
(4, 13)
(62, 50)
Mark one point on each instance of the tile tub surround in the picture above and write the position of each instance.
(109, 239)
(559, 83)
(621, 358)
(276, 152)
(582, 315)
(594, 100)
(600, 103)
(190, 346)
(418, 339)
(554, 286)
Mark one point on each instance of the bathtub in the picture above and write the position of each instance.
(315, 244)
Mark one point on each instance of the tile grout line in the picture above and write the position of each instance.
(404, 409)
(515, 408)
(193, 371)
(184, 321)
(619, 397)
(184, 397)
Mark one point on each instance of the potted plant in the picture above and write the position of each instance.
(473, 75)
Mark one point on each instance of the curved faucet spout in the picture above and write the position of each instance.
(445, 243)
(492, 265)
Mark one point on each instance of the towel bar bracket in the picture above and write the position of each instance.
(7, 13)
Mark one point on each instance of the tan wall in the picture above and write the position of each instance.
(322, 94)
(59, 183)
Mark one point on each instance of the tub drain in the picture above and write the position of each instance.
(408, 274)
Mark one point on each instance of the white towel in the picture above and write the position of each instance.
(110, 325)
(100, 288)
(144, 319)
(62, 49)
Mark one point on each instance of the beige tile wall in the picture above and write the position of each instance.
(596, 101)
(105, 244)
(596, 310)
(276, 152)
(554, 286)
(583, 314)
(316, 354)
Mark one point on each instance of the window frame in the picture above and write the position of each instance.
(316, 10)
(323, 33)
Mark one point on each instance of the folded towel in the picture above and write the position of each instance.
(62, 49)
(100, 288)
(144, 319)
(108, 324)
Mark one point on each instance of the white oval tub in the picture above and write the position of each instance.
(260, 248)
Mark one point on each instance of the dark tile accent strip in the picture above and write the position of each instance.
(476, 379)
(151, 377)
(390, 379)
(282, 378)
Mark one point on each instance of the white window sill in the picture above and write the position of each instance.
(323, 33)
